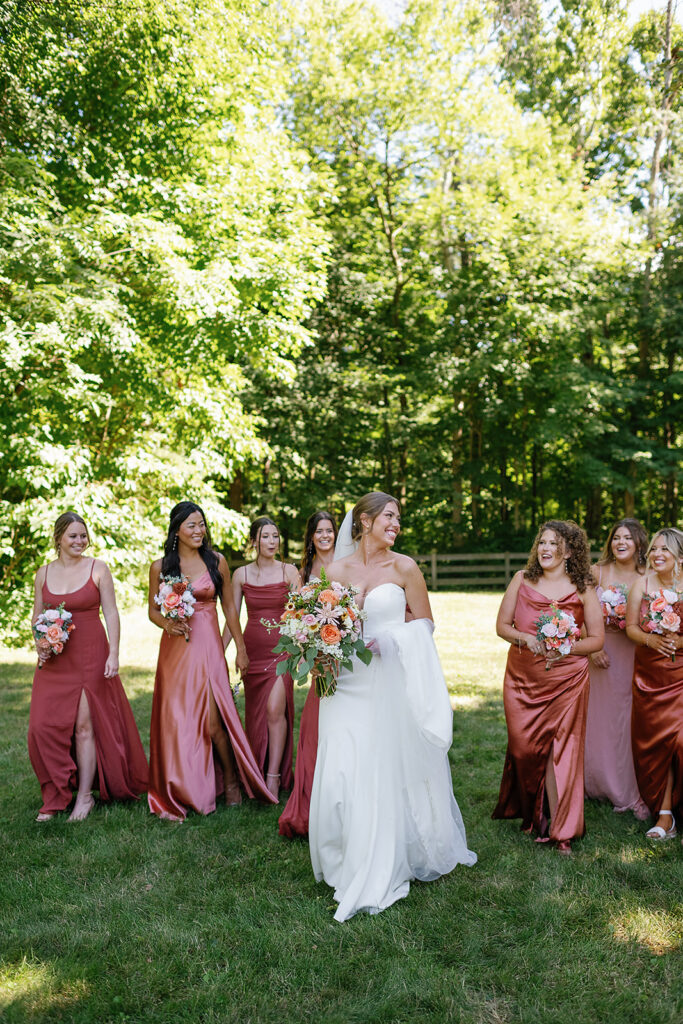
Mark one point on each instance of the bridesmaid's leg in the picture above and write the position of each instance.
(221, 742)
(666, 821)
(86, 760)
(276, 714)
(551, 783)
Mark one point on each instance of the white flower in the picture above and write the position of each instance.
(612, 597)
(549, 629)
(51, 614)
(670, 595)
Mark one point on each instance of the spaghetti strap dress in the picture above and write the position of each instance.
(183, 772)
(608, 763)
(265, 602)
(544, 709)
(657, 723)
(121, 764)
(294, 819)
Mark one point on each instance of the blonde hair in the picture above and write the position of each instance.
(63, 523)
(369, 505)
(673, 542)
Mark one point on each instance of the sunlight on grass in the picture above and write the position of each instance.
(657, 931)
(34, 986)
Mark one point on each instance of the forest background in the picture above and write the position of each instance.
(271, 255)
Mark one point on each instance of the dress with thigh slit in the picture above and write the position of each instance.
(185, 774)
(121, 764)
(544, 709)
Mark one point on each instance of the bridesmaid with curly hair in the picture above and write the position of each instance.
(546, 699)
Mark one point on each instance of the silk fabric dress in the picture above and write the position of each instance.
(544, 709)
(657, 724)
(294, 818)
(266, 602)
(608, 764)
(382, 806)
(185, 774)
(57, 687)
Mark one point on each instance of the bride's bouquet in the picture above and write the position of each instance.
(52, 629)
(558, 632)
(175, 598)
(320, 630)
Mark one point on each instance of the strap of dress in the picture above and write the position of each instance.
(92, 566)
(600, 577)
(45, 580)
(246, 578)
(283, 572)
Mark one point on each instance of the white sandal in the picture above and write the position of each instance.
(658, 833)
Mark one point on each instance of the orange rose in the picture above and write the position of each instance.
(620, 609)
(54, 634)
(329, 634)
(328, 597)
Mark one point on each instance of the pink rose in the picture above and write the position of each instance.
(180, 612)
(658, 604)
(671, 621)
(58, 648)
(171, 601)
(54, 634)
(622, 624)
(651, 626)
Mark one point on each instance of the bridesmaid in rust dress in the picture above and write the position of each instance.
(81, 734)
(198, 748)
(546, 699)
(319, 541)
(656, 603)
(269, 699)
(608, 762)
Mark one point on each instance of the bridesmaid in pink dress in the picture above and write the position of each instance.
(608, 762)
(81, 734)
(657, 719)
(198, 748)
(546, 700)
(269, 699)
(319, 541)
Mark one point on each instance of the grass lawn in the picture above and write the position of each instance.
(127, 918)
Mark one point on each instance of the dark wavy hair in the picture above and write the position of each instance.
(578, 555)
(371, 505)
(639, 537)
(170, 563)
(309, 546)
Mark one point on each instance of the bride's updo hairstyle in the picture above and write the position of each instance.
(577, 557)
(63, 523)
(369, 505)
(170, 563)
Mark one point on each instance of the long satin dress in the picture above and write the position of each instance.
(57, 687)
(184, 772)
(544, 709)
(608, 763)
(382, 806)
(657, 724)
(294, 818)
(266, 602)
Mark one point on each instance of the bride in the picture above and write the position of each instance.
(382, 805)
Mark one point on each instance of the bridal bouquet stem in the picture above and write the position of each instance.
(558, 632)
(52, 629)
(320, 631)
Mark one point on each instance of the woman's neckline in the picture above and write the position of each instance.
(535, 590)
(68, 593)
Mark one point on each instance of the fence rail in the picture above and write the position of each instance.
(472, 569)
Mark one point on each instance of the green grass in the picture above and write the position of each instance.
(127, 918)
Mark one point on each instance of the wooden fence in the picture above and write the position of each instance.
(470, 570)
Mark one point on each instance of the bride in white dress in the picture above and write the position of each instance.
(382, 805)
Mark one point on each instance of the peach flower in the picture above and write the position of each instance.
(671, 621)
(658, 604)
(171, 601)
(54, 634)
(329, 634)
(328, 597)
(58, 648)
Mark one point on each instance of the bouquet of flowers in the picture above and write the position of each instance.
(613, 604)
(660, 616)
(175, 598)
(52, 629)
(320, 629)
(557, 631)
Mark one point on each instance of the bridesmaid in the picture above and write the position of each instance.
(319, 541)
(198, 748)
(546, 701)
(269, 699)
(81, 733)
(657, 719)
(608, 763)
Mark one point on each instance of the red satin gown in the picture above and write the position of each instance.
(294, 818)
(265, 602)
(657, 724)
(544, 709)
(184, 774)
(57, 687)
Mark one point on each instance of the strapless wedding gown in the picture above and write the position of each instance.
(382, 805)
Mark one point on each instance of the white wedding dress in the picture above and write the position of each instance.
(382, 806)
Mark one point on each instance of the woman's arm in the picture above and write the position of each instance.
(594, 640)
(232, 630)
(42, 652)
(417, 597)
(174, 627)
(505, 627)
(237, 580)
(664, 643)
(111, 616)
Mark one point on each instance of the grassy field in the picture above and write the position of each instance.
(127, 918)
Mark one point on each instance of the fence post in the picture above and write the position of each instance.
(508, 575)
(434, 570)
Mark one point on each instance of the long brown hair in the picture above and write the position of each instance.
(369, 505)
(638, 536)
(309, 547)
(578, 565)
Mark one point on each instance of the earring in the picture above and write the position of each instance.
(175, 542)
